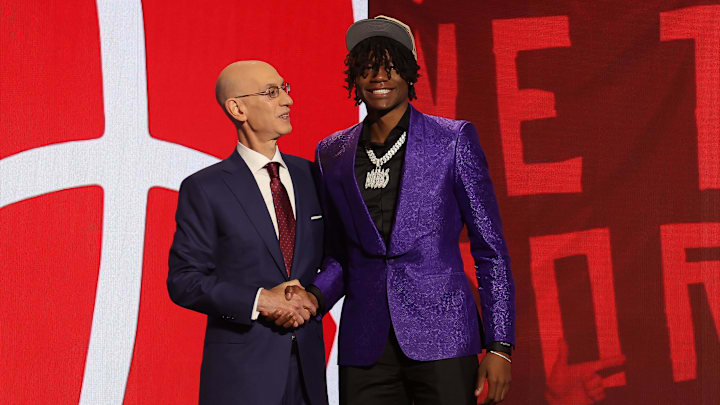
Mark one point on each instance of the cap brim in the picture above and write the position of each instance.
(377, 27)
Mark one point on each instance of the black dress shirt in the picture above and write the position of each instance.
(381, 202)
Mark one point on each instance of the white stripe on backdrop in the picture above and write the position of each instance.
(126, 162)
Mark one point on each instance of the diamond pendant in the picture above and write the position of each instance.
(377, 178)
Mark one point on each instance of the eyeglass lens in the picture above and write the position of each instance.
(274, 91)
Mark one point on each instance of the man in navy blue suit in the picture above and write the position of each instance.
(247, 228)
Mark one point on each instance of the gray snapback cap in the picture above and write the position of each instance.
(380, 26)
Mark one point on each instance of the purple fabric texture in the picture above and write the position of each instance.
(416, 284)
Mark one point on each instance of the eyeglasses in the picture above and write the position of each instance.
(271, 92)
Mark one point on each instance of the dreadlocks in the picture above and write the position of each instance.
(377, 52)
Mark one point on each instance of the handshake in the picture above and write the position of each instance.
(287, 304)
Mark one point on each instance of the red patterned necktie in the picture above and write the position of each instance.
(283, 213)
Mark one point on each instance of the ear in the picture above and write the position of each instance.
(236, 109)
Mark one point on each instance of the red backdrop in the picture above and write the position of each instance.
(601, 122)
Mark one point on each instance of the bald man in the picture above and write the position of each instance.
(247, 228)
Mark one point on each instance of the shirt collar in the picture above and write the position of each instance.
(256, 161)
(402, 126)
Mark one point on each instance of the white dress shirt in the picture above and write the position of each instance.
(256, 162)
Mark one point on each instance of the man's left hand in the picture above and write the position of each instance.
(497, 372)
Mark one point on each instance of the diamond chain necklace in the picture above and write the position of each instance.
(378, 177)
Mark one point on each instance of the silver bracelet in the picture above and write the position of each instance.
(504, 356)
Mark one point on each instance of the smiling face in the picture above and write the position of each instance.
(380, 71)
(382, 90)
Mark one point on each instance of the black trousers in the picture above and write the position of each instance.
(395, 379)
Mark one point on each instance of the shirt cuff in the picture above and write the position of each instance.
(255, 313)
(312, 289)
(498, 346)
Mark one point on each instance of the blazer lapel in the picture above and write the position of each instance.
(300, 189)
(410, 195)
(368, 235)
(243, 185)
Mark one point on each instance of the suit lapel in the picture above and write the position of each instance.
(368, 235)
(300, 189)
(403, 234)
(243, 185)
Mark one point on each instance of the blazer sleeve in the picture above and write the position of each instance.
(479, 209)
(331, 279)
(192, 281)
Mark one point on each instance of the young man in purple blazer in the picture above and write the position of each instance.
(397, 190)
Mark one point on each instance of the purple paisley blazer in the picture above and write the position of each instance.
(416, 284)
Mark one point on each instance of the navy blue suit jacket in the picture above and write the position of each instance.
(225, 248)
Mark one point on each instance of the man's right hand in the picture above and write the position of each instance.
(286, 312)
(309, 301)
(295, 292)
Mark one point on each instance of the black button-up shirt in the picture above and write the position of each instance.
(381, 202)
